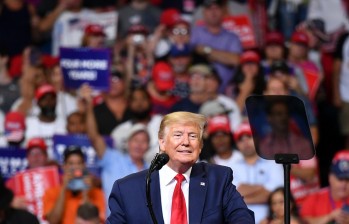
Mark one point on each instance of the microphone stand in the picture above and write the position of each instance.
(148, 180)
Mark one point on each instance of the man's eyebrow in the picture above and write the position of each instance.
(177, 132)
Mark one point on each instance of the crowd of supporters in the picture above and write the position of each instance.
(201, 56)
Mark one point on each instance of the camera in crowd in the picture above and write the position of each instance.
(138, 39)
(139, 33)
(78, 183)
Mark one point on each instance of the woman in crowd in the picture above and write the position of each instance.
(276, 209)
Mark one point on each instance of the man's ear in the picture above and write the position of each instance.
(161, 145)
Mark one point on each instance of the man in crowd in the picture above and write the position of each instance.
(183, 191)
(215, 44)
(334, 199)
(14, 129)
(36, 153)
(47, 123)
(255, 177)
(87, 214)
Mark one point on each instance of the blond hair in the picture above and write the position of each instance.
(185, 118)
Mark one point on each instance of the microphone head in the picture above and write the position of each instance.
(162, 159)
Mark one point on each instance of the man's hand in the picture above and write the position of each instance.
(67, 177)
(19, 202)
(341, 217)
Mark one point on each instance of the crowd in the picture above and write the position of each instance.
(200, 56)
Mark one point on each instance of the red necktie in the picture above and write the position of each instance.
(179, 209)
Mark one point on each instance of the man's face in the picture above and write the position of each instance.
(245, 145)
(298, 51)
(183, 145)
(211, 85)
(274, 52)
(36, 158)
(213, 15)
(47, 104)
(48, 100)
(197, 82)
(250, 68)
(180, 64)
(76, 125)
(96, 41)
(276, 87)
(138, 145)
(339, 187)
(180, 34)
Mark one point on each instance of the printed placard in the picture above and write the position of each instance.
(85, 65)
(12, 160)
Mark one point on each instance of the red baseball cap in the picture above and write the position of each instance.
(249, 56)
(94, 29)
(37, 143)
(169, 17)
(243, 129)
(14, 121)
(44, 89)
(138, 29)
(14, 126)
(163, 76)
(300, 37)
(49, 61)
(218, 123)
(274, 38)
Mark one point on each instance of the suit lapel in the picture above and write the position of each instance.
(197, 193)
(156, 197)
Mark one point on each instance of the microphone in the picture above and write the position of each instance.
(156, 164)
(159, 161)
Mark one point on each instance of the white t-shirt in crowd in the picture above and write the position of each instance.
(68, 29)
(37, 128)
(66, 104)
(236, 156)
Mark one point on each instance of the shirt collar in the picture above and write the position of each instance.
(169, 174)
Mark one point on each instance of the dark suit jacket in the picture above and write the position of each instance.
(212, 198)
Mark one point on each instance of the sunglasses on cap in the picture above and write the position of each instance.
(180, 31)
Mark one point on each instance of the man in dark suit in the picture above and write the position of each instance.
(183, 191)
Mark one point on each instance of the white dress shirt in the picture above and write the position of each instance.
(167, 186)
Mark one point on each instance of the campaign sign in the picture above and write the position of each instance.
(12, 160)
(61, 142)
(241, 25)
(85, 65)
(32, 184)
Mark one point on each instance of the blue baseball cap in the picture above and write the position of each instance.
(340, 164)
(178, 51)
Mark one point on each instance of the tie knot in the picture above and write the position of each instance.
(179, 177)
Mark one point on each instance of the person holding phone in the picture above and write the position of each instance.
(61, 203)
(330, 205)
